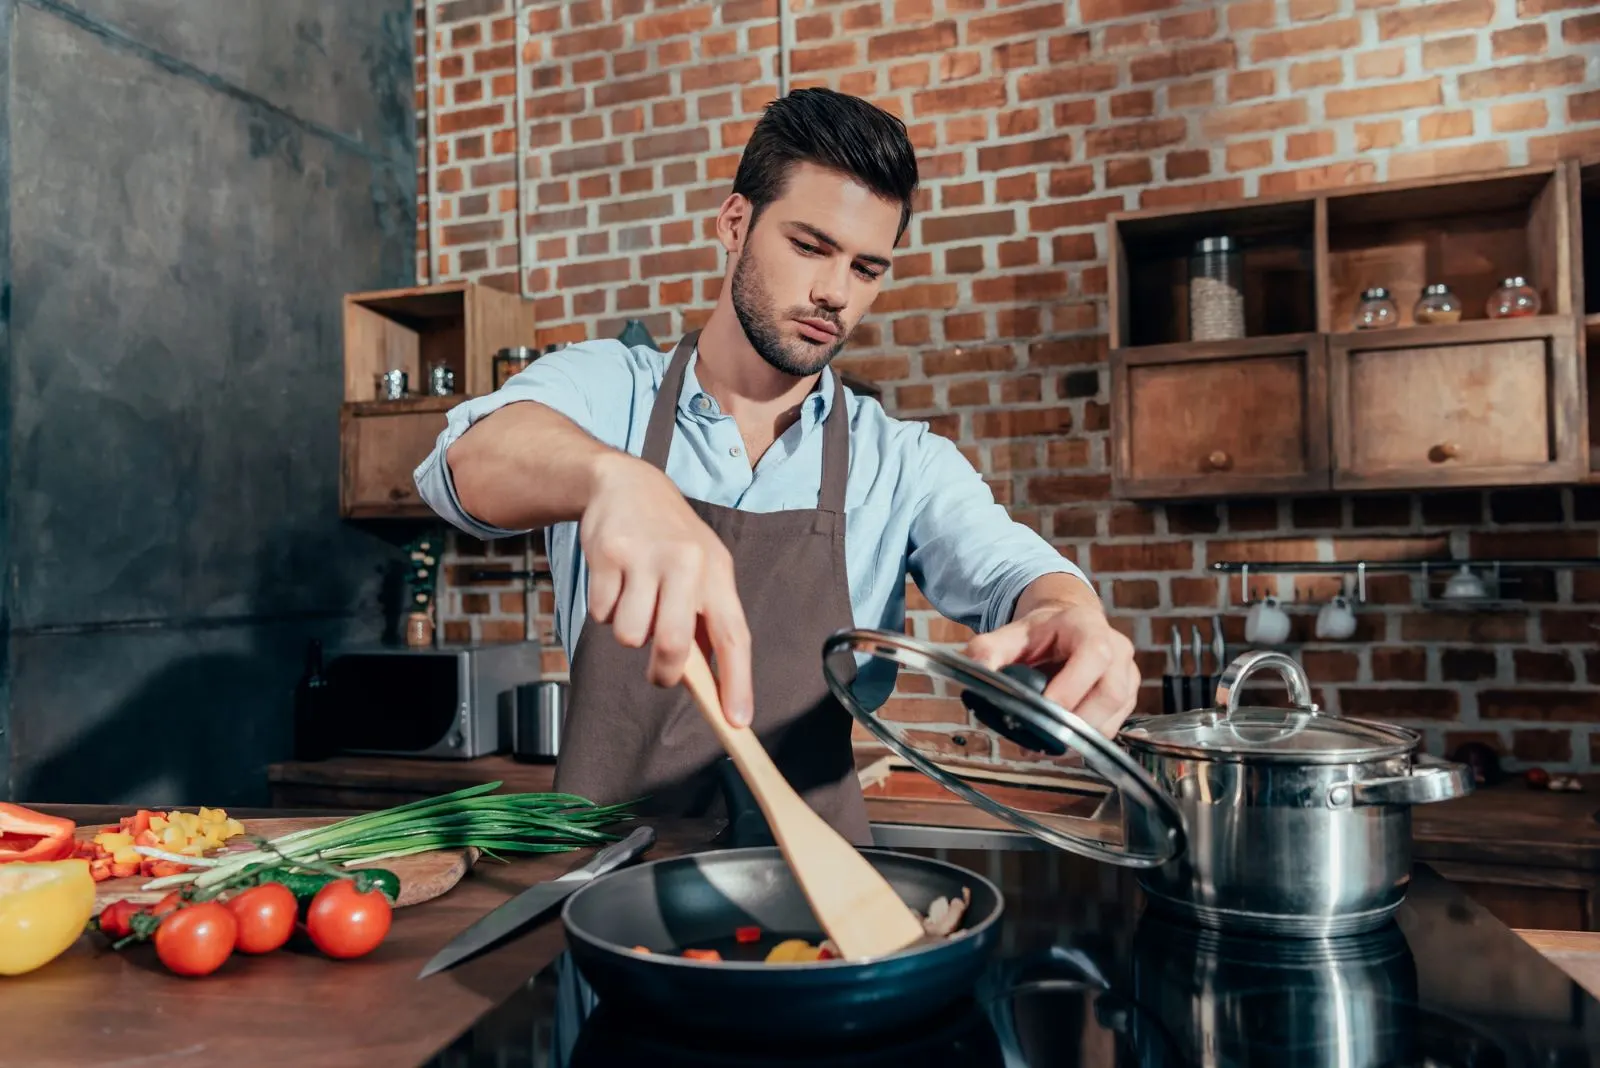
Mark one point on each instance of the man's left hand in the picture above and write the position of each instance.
(1091, 664)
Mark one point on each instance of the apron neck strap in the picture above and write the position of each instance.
(835, 429)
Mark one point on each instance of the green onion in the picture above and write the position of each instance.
(476, 817)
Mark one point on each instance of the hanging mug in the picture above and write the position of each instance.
(1267, 623)
(1336, 622)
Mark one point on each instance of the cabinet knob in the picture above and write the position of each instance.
(399, 494)
(1445, 450)
(1219, 461)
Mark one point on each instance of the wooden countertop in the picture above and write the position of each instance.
(1504, 824)
(1575, 952)
(96, 1007)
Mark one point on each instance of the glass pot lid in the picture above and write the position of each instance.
(1084, 816)
(1299, 734)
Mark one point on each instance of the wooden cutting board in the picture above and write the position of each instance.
(423, 877)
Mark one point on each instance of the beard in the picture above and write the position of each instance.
(759, 317)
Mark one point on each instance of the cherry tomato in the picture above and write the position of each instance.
(114, 919)
(344, 922)
(173, 900)
(266, 916)
(197, 939)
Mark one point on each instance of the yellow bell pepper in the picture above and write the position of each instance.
(43, 910)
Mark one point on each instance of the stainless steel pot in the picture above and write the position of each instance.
(1267, 820)
(1299, 823)
(541, 713)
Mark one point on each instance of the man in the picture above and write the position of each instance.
(734, 491)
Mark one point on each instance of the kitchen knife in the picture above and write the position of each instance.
(1200, 683)
(1176, 690)
(1219, 656)
(535, 901)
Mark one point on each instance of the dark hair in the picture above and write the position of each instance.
(832, 130)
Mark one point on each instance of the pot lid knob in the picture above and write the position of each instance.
(1294, 677)
(1009, 725)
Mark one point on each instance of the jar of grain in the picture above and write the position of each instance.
(1216, 290)
(1438, 305)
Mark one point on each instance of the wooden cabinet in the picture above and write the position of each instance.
(1303, 402)
(460, 325)
(1492, 403)
(381, 444)
(1229, 417)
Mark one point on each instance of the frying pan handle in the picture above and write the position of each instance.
(747, 825)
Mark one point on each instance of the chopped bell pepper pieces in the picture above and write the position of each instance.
(747, 934)
(32, 837)
(702, 954)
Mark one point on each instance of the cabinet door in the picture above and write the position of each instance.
(1221, 419)
(1476, 404)
(381, 451)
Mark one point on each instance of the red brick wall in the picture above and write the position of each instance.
(1034, 121)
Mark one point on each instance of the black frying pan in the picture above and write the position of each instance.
(699, 901)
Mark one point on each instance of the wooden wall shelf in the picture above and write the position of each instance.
(459, 324)
(1304, 402)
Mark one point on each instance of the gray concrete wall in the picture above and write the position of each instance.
(194, 185)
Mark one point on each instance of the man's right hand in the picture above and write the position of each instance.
(658, 574)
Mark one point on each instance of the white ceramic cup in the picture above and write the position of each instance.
(1336, 622)
(1267, 624)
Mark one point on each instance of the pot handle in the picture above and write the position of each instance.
(1431, 780)
(1244, 666)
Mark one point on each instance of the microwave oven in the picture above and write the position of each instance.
(450, 702)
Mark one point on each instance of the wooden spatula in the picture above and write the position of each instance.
(856, 906)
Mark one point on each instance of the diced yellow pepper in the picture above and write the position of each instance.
(212, 815)
(235, 828)
(125, 855)
(113, 840)
(173, 836)
(158, 823)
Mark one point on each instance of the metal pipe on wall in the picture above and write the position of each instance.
(785, 35)
(430, 83)
(519, 117)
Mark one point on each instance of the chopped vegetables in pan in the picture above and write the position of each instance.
(751, 943)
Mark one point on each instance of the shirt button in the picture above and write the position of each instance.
(735, 451)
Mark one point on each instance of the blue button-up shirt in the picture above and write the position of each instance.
(913, 503)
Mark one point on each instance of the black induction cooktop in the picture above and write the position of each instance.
(1084, 976)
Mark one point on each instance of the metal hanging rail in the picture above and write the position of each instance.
(1361, 568)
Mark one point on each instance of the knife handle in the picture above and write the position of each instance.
(617, 854)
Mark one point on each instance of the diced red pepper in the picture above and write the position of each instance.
(825, 953)
(138, 822)
(702, 954)
(32, 837)
(747, 934)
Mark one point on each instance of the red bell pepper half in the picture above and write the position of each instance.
(32, 837)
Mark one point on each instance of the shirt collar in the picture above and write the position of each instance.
(696, 402)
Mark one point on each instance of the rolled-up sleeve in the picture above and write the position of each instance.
(568, 381)
(967, 555)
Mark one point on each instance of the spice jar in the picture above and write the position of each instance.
(1515, 299)
(1216, 290)
(1438, 305)
(1376, 310)
(509, 362)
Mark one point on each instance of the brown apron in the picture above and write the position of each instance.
(628, 740)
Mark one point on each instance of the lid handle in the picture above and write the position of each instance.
(1294, 677)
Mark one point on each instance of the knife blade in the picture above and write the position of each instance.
(1200, 684)
(1177, 683)
(535, 901)
(1219, 658)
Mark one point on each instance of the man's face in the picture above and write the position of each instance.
(810, 268)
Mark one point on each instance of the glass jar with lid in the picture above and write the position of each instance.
(1437, 305)
(1376, 310)
(1216, 290)
(1515, 299)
